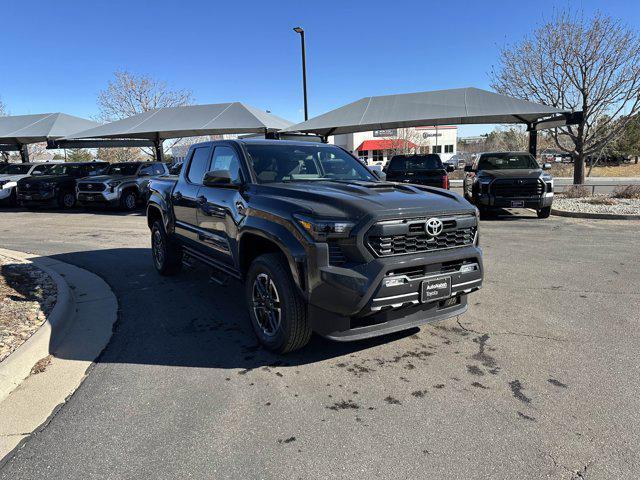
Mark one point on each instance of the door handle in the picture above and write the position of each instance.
(240, 208)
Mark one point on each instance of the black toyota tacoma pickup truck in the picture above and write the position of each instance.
(508, 180)
(319, 241)
(57, 184)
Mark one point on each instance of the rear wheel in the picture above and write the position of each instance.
(167, 255)
(544, 212)
(66, 199)
(277, 312)
(128, 200)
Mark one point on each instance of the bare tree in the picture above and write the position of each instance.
(405, 141)
(129, 94)
(577, 63)
(120, 154)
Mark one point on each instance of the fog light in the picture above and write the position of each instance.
(468, 268)
(393, 282)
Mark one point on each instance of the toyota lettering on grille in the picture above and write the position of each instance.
(434, 227)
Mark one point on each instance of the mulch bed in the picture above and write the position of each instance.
(27, 296)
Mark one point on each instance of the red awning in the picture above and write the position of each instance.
(387, 144)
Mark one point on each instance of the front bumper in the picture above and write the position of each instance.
(360, 302)
(105, 197)
(6, 191)
(37, 198)
(488, 200)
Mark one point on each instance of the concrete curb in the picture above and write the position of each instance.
(17, 366)
(598, 216)
(73, 342)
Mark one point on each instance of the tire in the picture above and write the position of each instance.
(544, 212)
(66, 199)
(166, 253)
(128, 200)
(287, 328)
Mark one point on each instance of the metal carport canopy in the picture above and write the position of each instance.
(188, 121)
(21, 130)
(441, 107)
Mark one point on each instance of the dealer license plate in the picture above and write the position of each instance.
(517, 203)
(437, 289)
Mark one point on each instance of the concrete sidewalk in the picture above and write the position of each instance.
(83, 323)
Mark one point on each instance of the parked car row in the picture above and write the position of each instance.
(124, 185)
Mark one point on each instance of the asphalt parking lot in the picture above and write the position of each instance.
(538, 380)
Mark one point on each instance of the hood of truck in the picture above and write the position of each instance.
(513, 173)
(47, 179)
(107, 178)
(14, 178)
(354, 200)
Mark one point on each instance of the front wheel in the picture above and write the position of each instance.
(167, 255)
(129, 200)
(66, 200)
(277, 312)
(544, 212)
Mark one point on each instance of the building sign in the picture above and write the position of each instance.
(392, 132)
(429, 135)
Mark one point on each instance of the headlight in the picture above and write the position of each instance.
(321, 230)
(48, 185)
(484, 180)
(3, 182)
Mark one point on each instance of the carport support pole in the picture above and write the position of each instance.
(24, 153)
(159, 151)
(533, 140)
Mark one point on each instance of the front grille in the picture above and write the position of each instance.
(31, 188)
(401, 244)
(518, 187)
(91, 187)
(336, 255)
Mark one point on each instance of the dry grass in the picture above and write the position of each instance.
(625, 170)
(576, 191)
(600, 201)
(629, 191)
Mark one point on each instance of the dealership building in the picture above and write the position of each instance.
(379, 145)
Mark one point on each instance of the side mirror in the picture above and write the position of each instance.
(546, 166)
(451, 168)
(217, 178)
(468, 168)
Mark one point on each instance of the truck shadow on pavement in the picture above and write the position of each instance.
(188, 320)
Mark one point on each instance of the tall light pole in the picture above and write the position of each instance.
(304, 71)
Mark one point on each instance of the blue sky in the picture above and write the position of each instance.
(64, 52)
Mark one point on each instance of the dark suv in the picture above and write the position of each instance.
(57, 184)
(319, 241)
(508, 180)
(419, 169)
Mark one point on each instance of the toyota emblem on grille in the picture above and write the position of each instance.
(27, 185)
(89, 186)
(434, 227)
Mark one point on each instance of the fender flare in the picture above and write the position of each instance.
(289, 241)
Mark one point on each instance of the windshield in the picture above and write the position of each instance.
(295, 163)
(123, 169)
(505, 161)
(16, 169)
(413, 163)
(63, 169)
